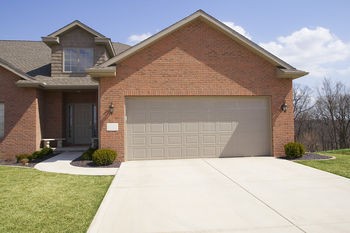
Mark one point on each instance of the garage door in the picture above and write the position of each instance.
(197, 127)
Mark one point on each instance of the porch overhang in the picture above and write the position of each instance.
(62, 83)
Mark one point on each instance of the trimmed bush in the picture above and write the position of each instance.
(41, 153)
(294, 150)
(103, 157)
(87, 155)
(24, 161)
(46, 151)
(23, 156)
(36, 154)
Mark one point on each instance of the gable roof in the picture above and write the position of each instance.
(54, 38)
(200, 14)
(76, 23)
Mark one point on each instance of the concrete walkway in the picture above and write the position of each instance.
(256, 195)
(61, 164)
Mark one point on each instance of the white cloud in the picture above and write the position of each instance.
(136, 38)
(317, 51)
(237, 28)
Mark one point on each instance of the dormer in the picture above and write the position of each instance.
(75, 48)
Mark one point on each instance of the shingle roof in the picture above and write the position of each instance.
(34, 57)
(26, 56)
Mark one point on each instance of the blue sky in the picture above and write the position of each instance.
(310, 35)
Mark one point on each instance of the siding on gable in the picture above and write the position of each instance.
(75, 38)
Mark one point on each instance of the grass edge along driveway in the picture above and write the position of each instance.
(339, 166)
(35, 201)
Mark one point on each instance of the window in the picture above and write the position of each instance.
(2, 120)
(77, 60)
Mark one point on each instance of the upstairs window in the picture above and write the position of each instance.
(2, 120)
(77, 60)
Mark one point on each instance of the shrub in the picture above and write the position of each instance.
(87, 155)
(104, 157)
(36, 155)
(24, 161)
(46, 151)
(41, 153)
(294, 150)
(23, 156)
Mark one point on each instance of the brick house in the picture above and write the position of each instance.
(195, 89)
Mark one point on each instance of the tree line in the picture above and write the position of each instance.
(322, 118)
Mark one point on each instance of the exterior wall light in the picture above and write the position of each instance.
(111, 108)
(284, 107)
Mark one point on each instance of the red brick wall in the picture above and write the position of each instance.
(196, 60)
(52, 114)
(21, 117)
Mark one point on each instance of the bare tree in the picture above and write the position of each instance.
(333, 110)
(302, 100)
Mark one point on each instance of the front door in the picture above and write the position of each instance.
(81, 123)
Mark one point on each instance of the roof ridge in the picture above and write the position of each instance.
(40, 41)
(21, 40)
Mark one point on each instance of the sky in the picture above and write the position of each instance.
(311, 35)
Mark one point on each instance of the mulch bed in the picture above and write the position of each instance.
(313, 156)
(30, 164)
(88, 163)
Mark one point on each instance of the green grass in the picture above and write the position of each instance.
(339, 166)
(34, 201)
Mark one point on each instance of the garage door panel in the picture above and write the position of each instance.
(156, 140)
(191, 152)
(190, 139)
(138, 153)
(138, 140)
(157, 153)
(192, 127)
(174, 152)
(209, 151)
(174, 140)
(209, 139)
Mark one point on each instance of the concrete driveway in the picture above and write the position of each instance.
(259, 194)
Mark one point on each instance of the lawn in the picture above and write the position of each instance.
(35, 201)
(339, 166)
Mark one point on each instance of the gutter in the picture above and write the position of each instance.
(104, 72)
(291, 74)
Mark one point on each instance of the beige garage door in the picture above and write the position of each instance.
(197, 127)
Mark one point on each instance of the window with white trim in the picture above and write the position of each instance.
(77, 60)
(2, 120)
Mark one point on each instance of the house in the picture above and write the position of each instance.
(195, 89)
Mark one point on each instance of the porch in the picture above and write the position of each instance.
(68, 119)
